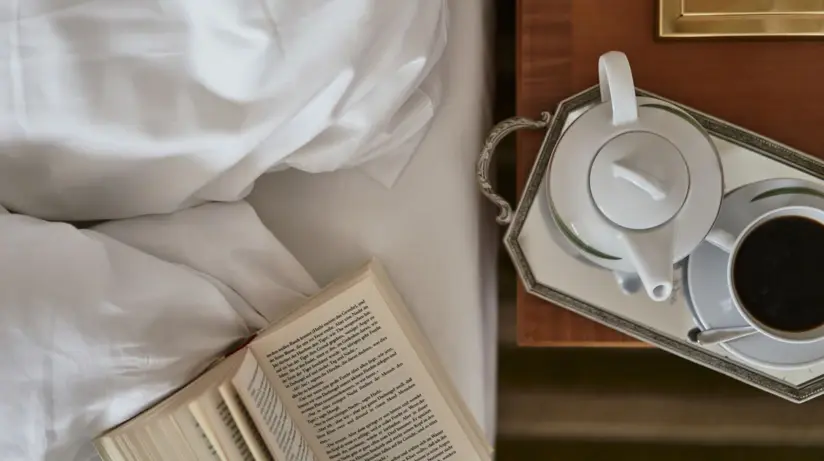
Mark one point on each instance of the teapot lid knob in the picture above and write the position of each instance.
(639, 180)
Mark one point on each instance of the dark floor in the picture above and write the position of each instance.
(533, 450)
(594, 404)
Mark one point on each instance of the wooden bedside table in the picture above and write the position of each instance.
(771, 87)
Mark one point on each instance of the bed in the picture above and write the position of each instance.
(431, 229)
(133, 250)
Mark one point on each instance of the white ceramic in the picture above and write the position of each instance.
(730, 244)
(707, 287)
(634, 183)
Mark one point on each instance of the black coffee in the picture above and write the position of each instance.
(778, 274)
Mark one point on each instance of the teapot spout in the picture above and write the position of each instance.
(651, 254)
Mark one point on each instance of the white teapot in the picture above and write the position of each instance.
(634, 183)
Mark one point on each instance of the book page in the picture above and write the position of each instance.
(175, 439)
(244, 422)
(149, 443)
(364, 395)
(194, 435)
(162, 448)
(427, 354)
(109, 450)
(213, 415)
(130, 448)
(274, 423)
(139, 447)
(168, 430)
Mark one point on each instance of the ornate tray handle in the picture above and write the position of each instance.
(499, 132)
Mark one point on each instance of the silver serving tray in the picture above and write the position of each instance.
(552, 272)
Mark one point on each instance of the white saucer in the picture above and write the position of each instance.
(707, 291)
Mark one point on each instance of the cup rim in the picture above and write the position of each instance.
(798, 337)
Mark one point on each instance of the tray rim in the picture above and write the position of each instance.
(724, 130)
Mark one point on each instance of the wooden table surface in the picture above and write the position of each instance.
(775, 88)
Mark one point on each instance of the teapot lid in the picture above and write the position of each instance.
(639, 180)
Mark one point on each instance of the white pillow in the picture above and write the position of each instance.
(97, 324)
(118, 108)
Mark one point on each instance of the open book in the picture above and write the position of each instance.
(347, 377)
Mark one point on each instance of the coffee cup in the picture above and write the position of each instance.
(773, 275)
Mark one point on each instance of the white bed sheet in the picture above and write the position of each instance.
(431, 230)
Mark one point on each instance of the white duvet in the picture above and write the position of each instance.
(118, 108)
(134, 109)
(99, 323)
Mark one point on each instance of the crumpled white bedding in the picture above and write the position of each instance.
(119, 108)
(131, 109)
(98, 323)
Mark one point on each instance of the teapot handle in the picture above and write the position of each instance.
(617, 87)
(499, 132)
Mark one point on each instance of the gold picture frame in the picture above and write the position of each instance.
(695, 19)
